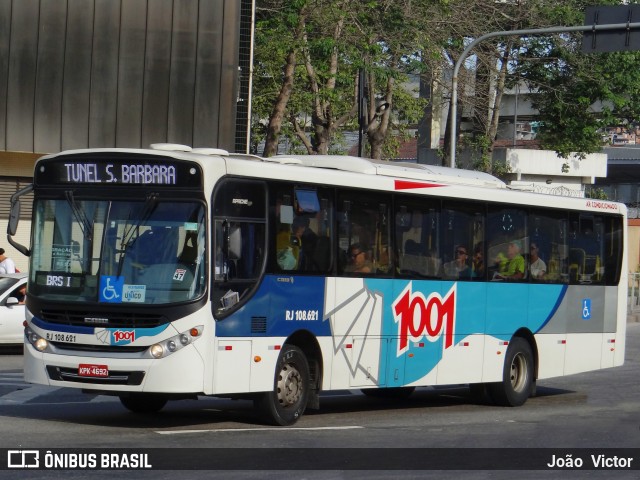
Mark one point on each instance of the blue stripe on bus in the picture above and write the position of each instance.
(116, 335)
(554, 309)
(498, 309)
(287, 302)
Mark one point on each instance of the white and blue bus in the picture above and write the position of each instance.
(172, 273)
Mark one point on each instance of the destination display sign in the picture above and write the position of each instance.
(125, 171)
(61, 280)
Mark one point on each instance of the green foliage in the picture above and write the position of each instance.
(383, 37)
(597, 193)
(482, 159)
(577, 95)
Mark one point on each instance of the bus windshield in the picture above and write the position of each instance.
(135, 252)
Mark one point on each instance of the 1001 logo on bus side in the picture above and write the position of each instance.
(429, 317)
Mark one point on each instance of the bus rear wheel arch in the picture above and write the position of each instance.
(518, 375)
(286, 403)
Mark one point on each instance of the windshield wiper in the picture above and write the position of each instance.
(150, 204)
(81, 217)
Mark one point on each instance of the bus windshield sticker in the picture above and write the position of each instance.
(134, 293)
(111, 288)
(191, 227)
(586, 309)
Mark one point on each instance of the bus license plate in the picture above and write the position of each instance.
(88, 370)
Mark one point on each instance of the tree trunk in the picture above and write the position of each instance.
(495, 118)
(280, 107)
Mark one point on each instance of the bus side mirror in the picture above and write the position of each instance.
(14, 217)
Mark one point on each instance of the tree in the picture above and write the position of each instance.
(577, 95)
(283, 20)
(486, 73)
(310, 78)
(309, 52)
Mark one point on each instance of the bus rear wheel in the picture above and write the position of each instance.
(287, 402)
(517, 376)
(143, 402)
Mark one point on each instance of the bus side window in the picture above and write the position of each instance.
(462, 237)
(586, 251)
(417, 237)
(612, 232)
(548, 252)
(363, 233)
(508, 244)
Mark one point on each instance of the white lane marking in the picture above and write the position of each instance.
(266, 429)
(27, 394)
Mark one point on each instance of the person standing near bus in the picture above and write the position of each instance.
(6, 264)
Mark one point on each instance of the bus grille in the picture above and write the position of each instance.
(100, 348)
(115, 319)
(114, 378)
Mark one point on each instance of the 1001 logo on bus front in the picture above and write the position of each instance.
(418, 316)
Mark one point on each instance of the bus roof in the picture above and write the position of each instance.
(417, 171)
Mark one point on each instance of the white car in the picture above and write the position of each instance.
(12, 313)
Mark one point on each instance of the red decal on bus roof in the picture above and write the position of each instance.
(405, 185)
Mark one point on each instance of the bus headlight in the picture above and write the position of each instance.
(156, 350)
(41, 344)
(175, 343)
(36, 340)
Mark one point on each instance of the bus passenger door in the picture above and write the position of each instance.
(232, 366)
(366, 359)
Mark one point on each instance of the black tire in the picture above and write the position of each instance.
(143, 402)
(287, 402)
(398, 393)
(517, 376)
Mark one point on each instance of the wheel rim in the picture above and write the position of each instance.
(518, 372)
(289, 386)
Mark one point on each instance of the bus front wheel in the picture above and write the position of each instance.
(287, 402)
(143, 402)
(517, 376)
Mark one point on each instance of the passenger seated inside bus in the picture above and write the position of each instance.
(537, 266)
(477, 262)
(459, 267)
(512, 265)
(358, 261)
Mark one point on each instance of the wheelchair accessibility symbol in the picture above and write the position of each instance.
(111, 289)
(586, 309)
